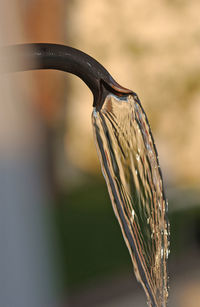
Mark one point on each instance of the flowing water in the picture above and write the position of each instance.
(130, 166)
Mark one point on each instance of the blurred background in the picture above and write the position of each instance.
(60, 242)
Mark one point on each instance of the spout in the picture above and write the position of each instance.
(52, 56)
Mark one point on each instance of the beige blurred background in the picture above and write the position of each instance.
(153, 49)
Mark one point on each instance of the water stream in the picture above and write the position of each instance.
(131, 169)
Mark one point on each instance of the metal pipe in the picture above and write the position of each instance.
(53, 56)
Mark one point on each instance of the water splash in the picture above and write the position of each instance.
(131, 169)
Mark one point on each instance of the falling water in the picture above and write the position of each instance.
(130, 166)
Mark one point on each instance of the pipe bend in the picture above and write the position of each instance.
(53, 56)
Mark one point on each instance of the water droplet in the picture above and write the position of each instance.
(148, 219)
(133, 213)
(165, 232)
(166, 206)
(148, 146)
(137, 157)
(167, 253)
(162, 252)
(95, 112)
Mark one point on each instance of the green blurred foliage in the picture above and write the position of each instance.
(92, 244)
(91, 241)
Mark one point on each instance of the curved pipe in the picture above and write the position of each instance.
(68, 59)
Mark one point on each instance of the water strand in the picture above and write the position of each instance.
(131, 169)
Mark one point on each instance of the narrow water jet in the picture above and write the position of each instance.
(131, 169)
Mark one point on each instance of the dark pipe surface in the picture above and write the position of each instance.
(52, 56)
